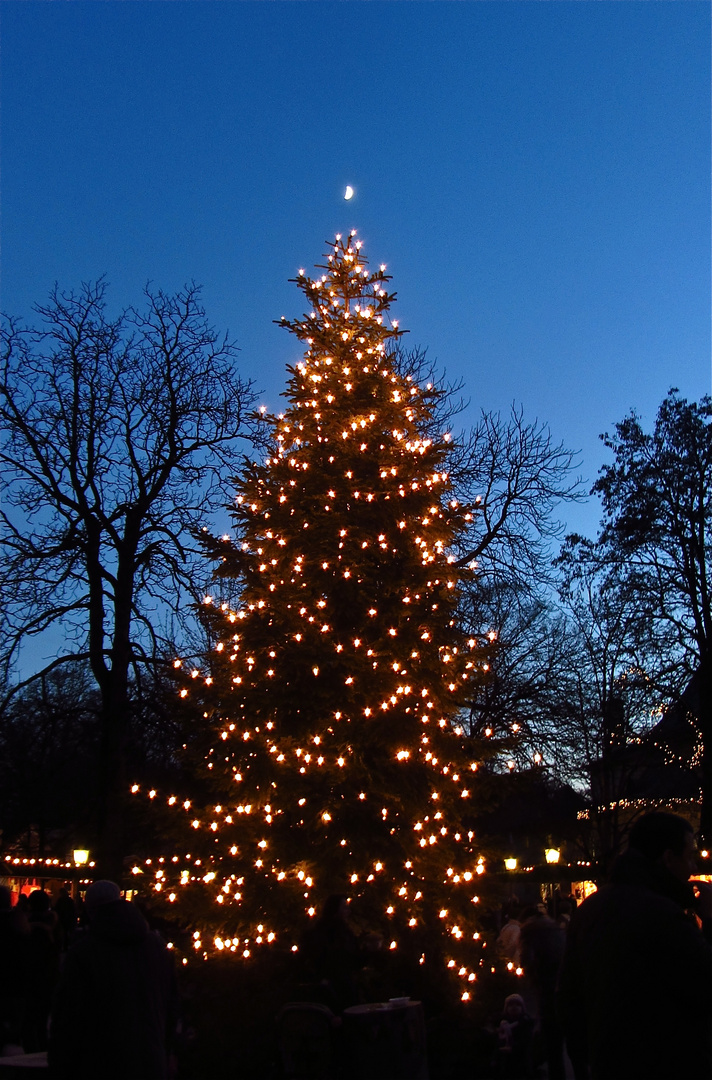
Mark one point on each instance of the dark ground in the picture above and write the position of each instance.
(229, 1011)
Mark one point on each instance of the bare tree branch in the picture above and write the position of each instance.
(117, 435)
(515, 476)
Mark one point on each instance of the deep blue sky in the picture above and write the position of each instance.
(535, 175)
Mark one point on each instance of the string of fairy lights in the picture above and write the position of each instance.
(332, 693)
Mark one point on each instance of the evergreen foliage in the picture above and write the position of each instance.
(334, 756)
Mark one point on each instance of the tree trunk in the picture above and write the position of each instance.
(114, 724)
(111, 789)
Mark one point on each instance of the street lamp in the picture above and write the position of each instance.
(510, 863)
(552, 854)
(81, 856)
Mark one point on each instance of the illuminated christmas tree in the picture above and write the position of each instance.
(335, 761)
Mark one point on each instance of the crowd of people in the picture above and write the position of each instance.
(621, 983)
(532, 940)
(100, 998)
(618, 987)
(33, 935)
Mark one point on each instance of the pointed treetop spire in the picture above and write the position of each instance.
(348, 296)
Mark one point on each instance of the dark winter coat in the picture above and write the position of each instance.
(42, 973)
(541, 947)
(114, 1009)
(14, 973)
(635, 991)
(333, 957)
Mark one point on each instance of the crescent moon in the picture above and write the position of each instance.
(349, 193)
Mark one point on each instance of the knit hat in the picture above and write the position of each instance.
(514, 999)
(101, 892)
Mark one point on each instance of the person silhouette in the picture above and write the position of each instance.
(114, 1011)
(634, 989)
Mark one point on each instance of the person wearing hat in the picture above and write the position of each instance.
(514, 1056)
(114, 1009)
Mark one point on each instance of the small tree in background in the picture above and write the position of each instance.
(48, 736)
(657, 526)
(334, 760)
